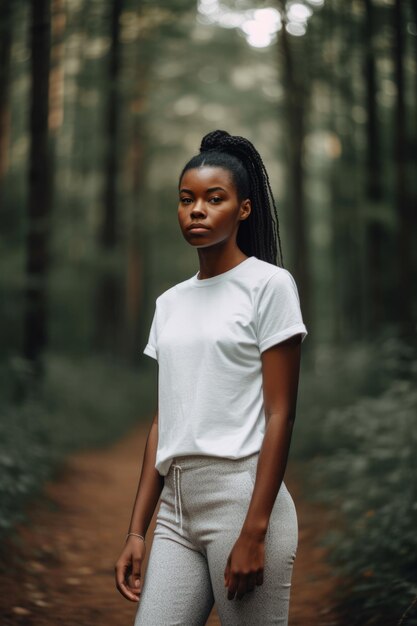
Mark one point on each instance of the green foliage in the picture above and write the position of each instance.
(83, 403)
(365, 466)
(179, 77)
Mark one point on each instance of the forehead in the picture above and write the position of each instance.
(208, 176)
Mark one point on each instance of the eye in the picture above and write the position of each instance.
(216, 200)
(185, 200)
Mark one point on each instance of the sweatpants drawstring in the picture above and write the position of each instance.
(177, 489)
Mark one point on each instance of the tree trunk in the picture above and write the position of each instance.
(109, 291)
(402, 193)
(374, 230)
(345, 213)
(135, 247)
(295, 106)
(5, 46)
(39, 203)
(56, 80)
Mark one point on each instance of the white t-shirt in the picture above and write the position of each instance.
(207, 336)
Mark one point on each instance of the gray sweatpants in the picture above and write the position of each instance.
(203, 506)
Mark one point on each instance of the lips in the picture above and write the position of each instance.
(196, 225)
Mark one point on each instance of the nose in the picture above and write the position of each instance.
(198, 209)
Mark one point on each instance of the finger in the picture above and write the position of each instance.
(232, 587)
(134, 584)
(260, 577)
(251, 582)
(129, 594)
(121, 584)
(136, 573)
(242, 586)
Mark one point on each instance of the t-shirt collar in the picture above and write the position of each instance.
(203, 282)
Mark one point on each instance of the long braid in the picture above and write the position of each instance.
(258, 235)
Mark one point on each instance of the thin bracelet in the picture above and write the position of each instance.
(136, 535)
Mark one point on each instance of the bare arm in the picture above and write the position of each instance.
(280, 372)
(280, 367)
(129, 564)
(150, 485)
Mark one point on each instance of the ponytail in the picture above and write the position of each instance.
(258, 235)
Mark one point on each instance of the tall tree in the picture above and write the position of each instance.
(402, 191)
(296, 97)
(5, 46)
(56, 80)
(39, 200)
(136, 246)
(374, 192)
(109, 299)
(137, 270)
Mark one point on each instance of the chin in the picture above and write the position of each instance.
(199, 244)
(198, 241)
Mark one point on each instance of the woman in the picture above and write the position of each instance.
(228, 343)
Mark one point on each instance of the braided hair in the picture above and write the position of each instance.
(258, 235)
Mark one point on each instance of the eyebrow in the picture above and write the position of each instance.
(208, 190)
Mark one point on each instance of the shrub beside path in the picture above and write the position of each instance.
(58, 570)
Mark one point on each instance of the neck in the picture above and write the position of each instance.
(215, 260)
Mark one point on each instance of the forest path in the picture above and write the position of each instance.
(60, 571)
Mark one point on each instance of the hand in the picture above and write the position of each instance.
(128, 569)
(245, 565)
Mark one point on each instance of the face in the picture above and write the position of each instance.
(209, 211)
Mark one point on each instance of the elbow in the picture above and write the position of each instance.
(281, 417)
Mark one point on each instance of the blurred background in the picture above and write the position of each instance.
(101, 104)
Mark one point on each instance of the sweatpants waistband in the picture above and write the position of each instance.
(202, 460)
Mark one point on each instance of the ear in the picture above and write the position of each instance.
(245, 209)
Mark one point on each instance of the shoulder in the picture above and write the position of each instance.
(272, 278)
(274, 284)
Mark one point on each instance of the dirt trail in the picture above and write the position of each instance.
(60, 573)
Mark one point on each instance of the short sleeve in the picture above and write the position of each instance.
(278, 311)
(151, 347)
